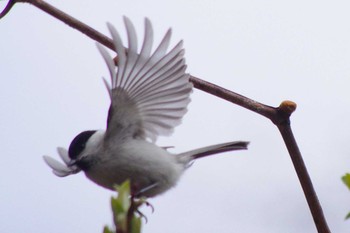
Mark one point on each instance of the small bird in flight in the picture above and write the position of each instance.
(149, 95)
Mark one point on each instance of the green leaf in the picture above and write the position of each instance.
(107, 230)
(347, 216)
(122, 202)
(136, 224)
(121, 205)
(120, 214)
(346, 180)
(124, 195)
(125, 210)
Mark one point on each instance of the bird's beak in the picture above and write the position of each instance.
(72, 163)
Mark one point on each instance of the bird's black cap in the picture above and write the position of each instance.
(78, 144)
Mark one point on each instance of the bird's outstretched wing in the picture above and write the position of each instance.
(149, 91)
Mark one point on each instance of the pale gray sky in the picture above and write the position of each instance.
(267, 50)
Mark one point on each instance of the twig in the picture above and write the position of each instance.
(70, 21)
(7, 8)
(280, 116)
(304, 178)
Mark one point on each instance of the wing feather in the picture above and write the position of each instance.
(132, 51)
(109, 61)
(119, 48)
(144, 54)
(161, 65)
(149, 91)
(170, 82)
(151, 61)
(161, 77)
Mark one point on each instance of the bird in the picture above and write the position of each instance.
(149, 94)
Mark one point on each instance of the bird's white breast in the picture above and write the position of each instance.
(142, 162)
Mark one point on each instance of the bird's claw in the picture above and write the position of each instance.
(137, 202)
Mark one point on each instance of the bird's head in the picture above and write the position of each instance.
(84, 145)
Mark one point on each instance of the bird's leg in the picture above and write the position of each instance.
(146, 189)
(136, 202)
(138, 199)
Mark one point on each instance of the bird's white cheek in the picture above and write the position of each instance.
(95, 141)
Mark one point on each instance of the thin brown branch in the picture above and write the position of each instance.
(280, 116)
(72, 22)
(233, 97)
(7, 8)
(304, 178)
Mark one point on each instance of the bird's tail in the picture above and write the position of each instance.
(214, 149)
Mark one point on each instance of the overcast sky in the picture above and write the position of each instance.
(267, 50)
